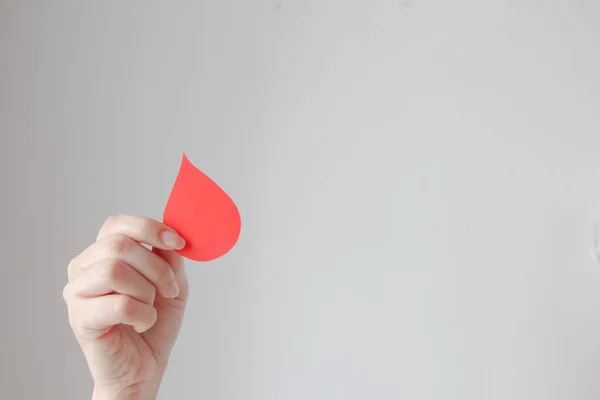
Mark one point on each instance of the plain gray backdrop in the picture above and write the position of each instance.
(417, 181)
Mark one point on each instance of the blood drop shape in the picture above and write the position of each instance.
(203, 214)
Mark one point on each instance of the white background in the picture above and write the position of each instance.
(417, 181)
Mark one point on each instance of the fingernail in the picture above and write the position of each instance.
(173, 290)
(172, 240)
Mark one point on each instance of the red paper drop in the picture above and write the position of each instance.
(203, 214)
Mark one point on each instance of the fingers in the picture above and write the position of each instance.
(116, 280)
(143, 230)
(153, 267)
(100, 313)
(176, 263)
(109, 276)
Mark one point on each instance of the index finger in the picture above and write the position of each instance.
(143, 230)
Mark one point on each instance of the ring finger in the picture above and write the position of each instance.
(113, 276)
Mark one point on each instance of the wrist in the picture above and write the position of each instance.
(145, 390)
(101, 393)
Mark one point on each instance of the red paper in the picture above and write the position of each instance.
(203, 214)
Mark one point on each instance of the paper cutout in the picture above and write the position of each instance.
(203, 214)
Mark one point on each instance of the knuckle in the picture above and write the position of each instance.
(120, 244)
(78, 319)
(70, 268)
(109, 222)
(113, 219)
(146, 225)
(72, 313)
(73, 322)
(124, 306)
(114, 270)
(66, 293)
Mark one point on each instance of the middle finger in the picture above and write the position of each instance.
(150, 265)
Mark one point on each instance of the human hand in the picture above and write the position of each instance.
(126, 304)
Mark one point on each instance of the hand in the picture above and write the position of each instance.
(126, 304)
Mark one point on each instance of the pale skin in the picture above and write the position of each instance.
(126, 304)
